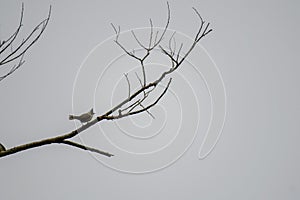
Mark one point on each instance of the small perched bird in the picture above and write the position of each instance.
(86, 117)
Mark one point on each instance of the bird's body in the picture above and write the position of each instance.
(86, 117)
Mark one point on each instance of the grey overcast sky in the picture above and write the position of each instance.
(255, 46)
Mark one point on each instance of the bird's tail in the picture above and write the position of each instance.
(71, 117)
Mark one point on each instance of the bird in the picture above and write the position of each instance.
(86, 117)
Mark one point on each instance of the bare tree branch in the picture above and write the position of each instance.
(138, 41)
(130, 105)
(151, 115)
(151, 33)
(21, 48)
(80, 146)
(126, 76)
(150, 48)
(11, 39)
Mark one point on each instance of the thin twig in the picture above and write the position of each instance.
(126, 76)
(151, 33)
(165, 29)
(140, 81)
(131, 105)
(11, 39)
(138, 41)
(151, 115)
(91, 149)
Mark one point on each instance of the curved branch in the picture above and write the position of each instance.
(14, 35)
(18, 52)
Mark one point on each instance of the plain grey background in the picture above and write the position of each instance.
(255, 45)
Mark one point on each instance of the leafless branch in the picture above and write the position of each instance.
(80, 146)
(8, 42)
(23, 47)
(134, 103)
(151, 115)
(13, 68)
(140, 81)
(151, 33)
(117, 31)
(148, 49)
(138, 41)
(112, 117)
(126, 76)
